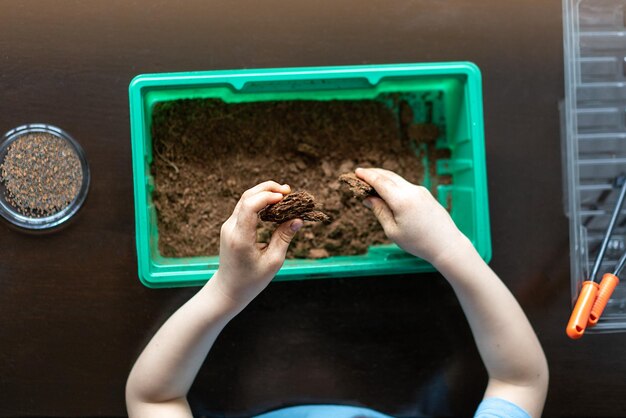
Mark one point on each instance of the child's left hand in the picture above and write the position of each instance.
(246, 266)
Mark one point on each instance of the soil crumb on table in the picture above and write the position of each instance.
(41, 174)
(206, 153)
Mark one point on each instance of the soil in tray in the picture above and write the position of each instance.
(206, 153)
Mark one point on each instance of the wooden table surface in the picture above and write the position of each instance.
(74, 316)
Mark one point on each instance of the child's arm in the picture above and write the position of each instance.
(410, 216)
(159, 382)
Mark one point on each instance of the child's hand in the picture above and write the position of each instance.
(410, 215)
(246, 267)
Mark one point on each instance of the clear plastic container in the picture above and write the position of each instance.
(54, 221)
(594, 140)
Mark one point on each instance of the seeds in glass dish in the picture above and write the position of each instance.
(41, 173)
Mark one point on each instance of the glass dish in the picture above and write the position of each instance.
(9, 212)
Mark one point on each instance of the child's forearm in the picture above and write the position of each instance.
(159, 382)
(167, 367)
(505, 339)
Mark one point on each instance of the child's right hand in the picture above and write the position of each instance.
(410, 216)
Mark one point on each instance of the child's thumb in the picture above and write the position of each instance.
(381, 211)
(281, 238)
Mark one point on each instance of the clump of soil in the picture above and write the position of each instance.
(207, 153)
(295, 205)
(420, 133)
(358, 187)
(41, 173)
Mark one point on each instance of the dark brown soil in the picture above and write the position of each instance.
(41, 173)
(295, 205)
(207, 153)
(357, 187)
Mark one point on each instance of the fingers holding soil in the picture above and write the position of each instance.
(356, 186)
(300, 204)
(343, 196)
(251, 205)
(269, 186)
(384, 185)
(261, 195)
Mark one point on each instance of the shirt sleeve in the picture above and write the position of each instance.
(323, 411)
(499, 408)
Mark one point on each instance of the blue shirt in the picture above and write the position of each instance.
(488, 408)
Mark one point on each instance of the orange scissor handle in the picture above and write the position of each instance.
(607, 285)
(580, 315)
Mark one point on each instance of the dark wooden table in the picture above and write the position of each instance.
(74, 316)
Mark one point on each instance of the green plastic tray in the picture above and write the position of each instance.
(454, 95)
